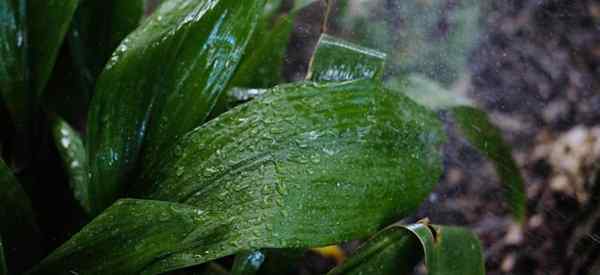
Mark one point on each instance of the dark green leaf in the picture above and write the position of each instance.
(97, 29)
(487, 138)
(477, 129)
(13, 63)
(304, 165)
(73, 153)
(248, 262)
(47, 24)
(396, 250)
(263, 67)
(337, 60)
(298, 155)
(128, 236)
(188, 51)
(17, 226)
(3, 269)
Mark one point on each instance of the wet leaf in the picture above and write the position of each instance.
(476, 128)
(47, 24)
(298, 155)
(337, 60)
(263, 67)
(188, 51)
(18, 227)
(73, 153)
(305, 165)
(13, 64)
(97, 29)
(248, 262)
(396, 250)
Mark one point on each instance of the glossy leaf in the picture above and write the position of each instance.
(337, 60)
(72, 151)
(188, 51)
(47, 24)
(97, 29)
(305, 165)
(297, 156)
(487, 138)
(396, 250)
(263, 67)
(477, 129)
(17, 227)
(13, 63)
(248, 262)
(3, 268)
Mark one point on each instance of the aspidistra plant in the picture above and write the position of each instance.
(334, 158)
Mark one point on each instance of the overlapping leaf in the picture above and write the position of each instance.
(13, 63)
(47, 24)
(72, 151)
(17, 226)
(97, 29)
(305, 165)
(396, 250)
(188, 50)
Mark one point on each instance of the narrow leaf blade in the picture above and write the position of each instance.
(487, 138)
(74, 156)
(188, 51)
(97, 29)
(13, 62)
(47, 23)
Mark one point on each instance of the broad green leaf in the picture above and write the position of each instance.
(296, 162)
(3, 269)
(47, 24)
(97, 29)
(17, 226)
(188, 51)
(337, 60)
(72, 151)
(305, 165)
(247, 262)
(477, 129)
(487, 138)
(396, 250)
(13, 63)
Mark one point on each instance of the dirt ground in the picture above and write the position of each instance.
(537, 70)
